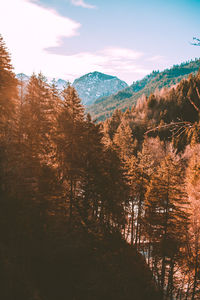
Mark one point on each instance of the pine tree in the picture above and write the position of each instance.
(166, 215)
(114, 192)
(193, 190)
(139, 172)
(8, 121)
(91, 164)
(133, 178)
(70, 132)
(123, 139)
(111, 125)
(37, 175)
(8, 98)
(8, 88)
(8, 124)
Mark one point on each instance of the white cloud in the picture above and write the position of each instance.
(115, 63)
(28, 29)
(119, 53)
(82, 4)
(156, 58)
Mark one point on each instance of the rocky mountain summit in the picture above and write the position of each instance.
(95, 85)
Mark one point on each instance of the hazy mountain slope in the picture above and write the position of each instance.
(94, 85)
(104, 107)
(25, 78)
(90, 87)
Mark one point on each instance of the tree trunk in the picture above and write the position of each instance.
(132, 222)
(71, 201)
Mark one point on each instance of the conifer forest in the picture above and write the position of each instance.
(98, 210)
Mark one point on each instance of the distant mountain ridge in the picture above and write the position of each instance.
(91, 86)
(60, 82)
(126, 98)
(23, 77)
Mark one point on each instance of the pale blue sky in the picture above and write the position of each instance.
(126, 38)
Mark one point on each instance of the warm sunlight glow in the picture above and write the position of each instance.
(34, 29)
(29, 29)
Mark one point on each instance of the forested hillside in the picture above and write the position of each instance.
(98, 211)
(63, 200)
(158, 141)
(104, 107)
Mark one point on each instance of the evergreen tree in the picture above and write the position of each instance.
(165, 215)
(111, 125)
(70, 132)
(92, 160)
(193, 190)
(8, 89)
(114, 191)
(139, 172)
(8, 135)
(124, 141)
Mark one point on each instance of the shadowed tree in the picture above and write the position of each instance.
(8, 131)
(166, 217)
(193, 190)
(70, 132)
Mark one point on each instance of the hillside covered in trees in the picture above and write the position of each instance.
(63, 200)
(126, 98)
(158, 141)
(98, 211)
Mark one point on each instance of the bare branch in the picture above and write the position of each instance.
(183, 130)
(194, 105)
(198, 92)
(177, 131)
(173, 125)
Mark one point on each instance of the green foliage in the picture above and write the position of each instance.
(126, 98)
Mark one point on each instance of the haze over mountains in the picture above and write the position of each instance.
(102, 93)
(91, 86)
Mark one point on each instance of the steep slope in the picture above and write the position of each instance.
(104, 107)
(79, 266)
(61, 84)
(94, 85)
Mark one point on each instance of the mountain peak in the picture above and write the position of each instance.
(90, 87)
(95, 85)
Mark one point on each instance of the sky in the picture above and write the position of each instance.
(125, 38)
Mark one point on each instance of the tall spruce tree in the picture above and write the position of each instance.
(193, 190)
(8, 124)
(123, 139)
(70, 132)
(166, 218)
